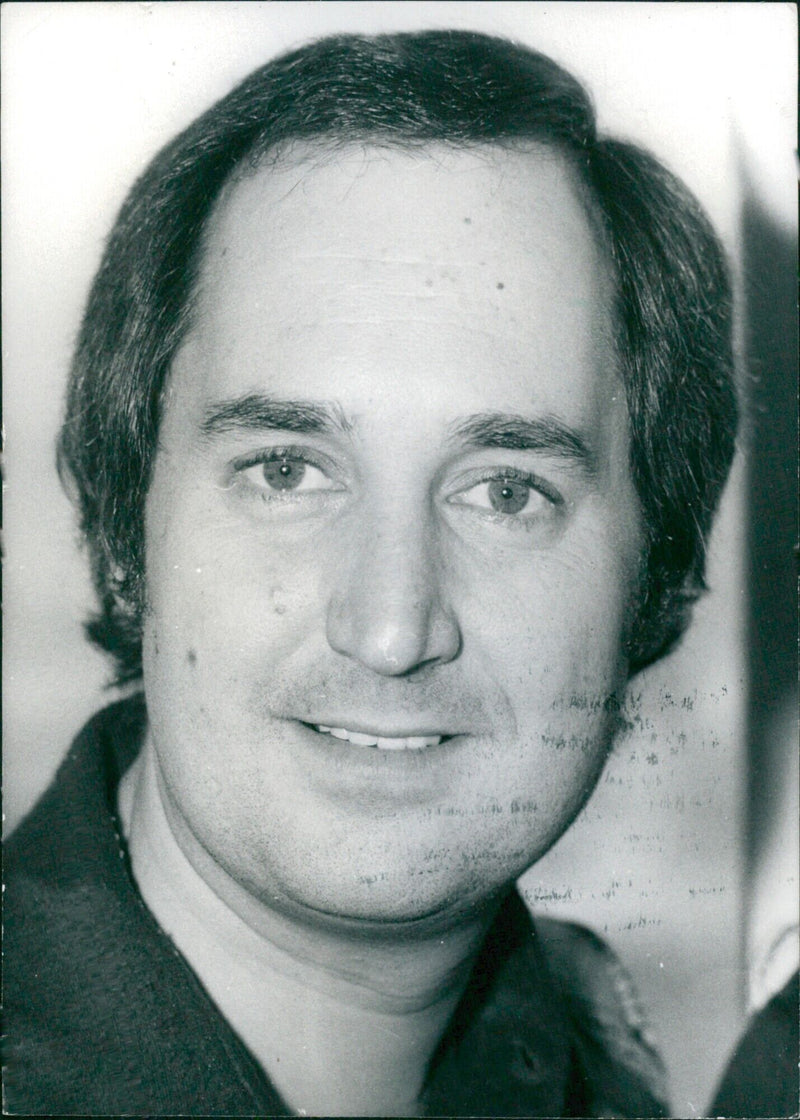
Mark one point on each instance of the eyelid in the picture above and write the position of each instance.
(313, 458)
(513, 474)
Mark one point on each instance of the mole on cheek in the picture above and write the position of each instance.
(500, 285)
(191, 657)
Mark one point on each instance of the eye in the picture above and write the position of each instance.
(286, 473)
(507, 495)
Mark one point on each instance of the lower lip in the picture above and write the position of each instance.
(407, 768)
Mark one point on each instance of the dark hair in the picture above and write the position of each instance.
(673, 314)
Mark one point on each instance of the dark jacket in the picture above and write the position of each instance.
(104, 1016)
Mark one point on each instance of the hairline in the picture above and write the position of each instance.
(320, 151)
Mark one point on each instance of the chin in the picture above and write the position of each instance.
(379, 903)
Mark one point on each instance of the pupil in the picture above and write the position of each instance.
(284, 474)
(507, 496)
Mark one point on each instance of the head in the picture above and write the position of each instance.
(315, 504)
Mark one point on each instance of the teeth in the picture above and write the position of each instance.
(360, 739)
(392, 744)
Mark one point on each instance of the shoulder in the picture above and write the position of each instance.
(64, 885)
(761, 1077)
(621, 1068)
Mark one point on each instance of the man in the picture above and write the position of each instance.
(397, 422)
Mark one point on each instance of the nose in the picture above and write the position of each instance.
(386, 609)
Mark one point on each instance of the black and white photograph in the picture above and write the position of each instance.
(400, 704)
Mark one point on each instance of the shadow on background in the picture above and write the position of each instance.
(770, 271)
(762, 1076)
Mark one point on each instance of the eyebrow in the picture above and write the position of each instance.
(258, 412)
(546, 434)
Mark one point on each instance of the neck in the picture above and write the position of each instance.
(306, 996)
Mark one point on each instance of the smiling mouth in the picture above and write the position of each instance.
(380, 742)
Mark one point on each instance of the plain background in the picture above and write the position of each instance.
(657, 863)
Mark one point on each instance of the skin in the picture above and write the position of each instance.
(397, 589)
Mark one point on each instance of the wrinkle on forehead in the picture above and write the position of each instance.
(446, 261)
(288, 177)
(515, 193)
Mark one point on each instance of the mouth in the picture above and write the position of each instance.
(379, 742)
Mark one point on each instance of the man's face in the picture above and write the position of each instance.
(391, 498)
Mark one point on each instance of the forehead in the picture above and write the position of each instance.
(471, 264)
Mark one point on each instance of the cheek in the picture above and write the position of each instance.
(548, 638)
(216, 591)
(552, 626)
